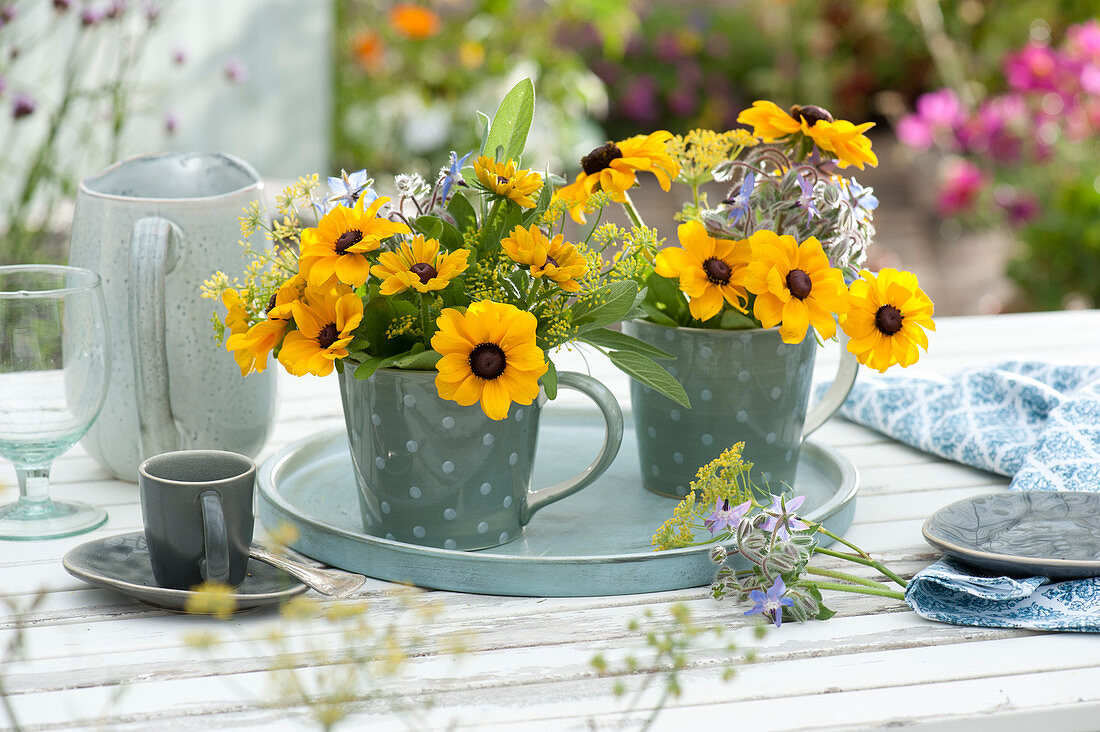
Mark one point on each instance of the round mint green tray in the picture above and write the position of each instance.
(593, 543)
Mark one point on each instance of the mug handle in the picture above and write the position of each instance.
(837, 392)
(215, 537)
(613, 439)
(149, 263)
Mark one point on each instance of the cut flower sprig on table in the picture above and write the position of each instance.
(725, 508)
(469, 275)
(785, 248)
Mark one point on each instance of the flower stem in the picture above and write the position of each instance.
(632, 212)
(425, 319)
(865, 561)
(857, 589)
(847, 577)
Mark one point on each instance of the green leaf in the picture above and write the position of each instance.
(464, 214)
(550, 380)
(733, 320)
(371, 364)
(512, 121)
(657, 316)
(422, 361)
(483, 125)
(646, 371)
(665, 295)
(430, 226)
(617, 341)
(605, 305)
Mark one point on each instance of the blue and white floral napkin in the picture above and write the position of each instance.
(1037, 422)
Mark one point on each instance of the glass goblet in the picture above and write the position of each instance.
(54, 366)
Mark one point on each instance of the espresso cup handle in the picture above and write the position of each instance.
(613, 439)
(838, 391)
(215, 537)
(150, 262)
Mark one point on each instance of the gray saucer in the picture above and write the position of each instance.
(121, 563)
(1023, 533)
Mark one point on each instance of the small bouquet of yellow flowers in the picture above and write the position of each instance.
(784, 247)
(468, 275)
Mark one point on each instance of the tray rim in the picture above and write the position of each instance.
(983, 558)
(267, 490)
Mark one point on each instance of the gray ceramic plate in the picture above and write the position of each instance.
(121, 563)
(1022, 533)
(593, 543)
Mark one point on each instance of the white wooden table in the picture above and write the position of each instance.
(93, 659)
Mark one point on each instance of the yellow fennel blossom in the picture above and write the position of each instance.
(325, 318)
(251, 347)
(886, 317)
(337, 247)
(504, 179)
(555, 259)
(710, 270)
(420, 265)
(489, 355)
(700, 151)
(613, 167)
(794, 285)
(723, 481)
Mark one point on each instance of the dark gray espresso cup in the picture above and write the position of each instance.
(197, 509)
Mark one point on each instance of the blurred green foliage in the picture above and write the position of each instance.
(409, 77)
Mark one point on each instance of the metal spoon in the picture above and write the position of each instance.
(335, 583)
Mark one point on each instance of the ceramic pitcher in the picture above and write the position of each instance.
(744, 385)
(154, 227)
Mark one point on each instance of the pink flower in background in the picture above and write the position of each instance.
(1021, 206)
(639, 100)
(960, 189)
(682, 102)
(1033, 68)
(235, 70)
(1083, 40)
(89, 18)
(938, 115)
(998, 128)
(7, 14)
(667, 47)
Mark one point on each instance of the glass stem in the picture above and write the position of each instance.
(34, 486)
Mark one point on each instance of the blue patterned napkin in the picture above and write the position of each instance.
(1037, 422)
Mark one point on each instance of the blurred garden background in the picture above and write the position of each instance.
(987, 112)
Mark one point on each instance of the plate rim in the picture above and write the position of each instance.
(267, 490)
(952, 549)
(168, 592)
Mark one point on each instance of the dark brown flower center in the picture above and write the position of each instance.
(347, 239)
(600, 158)
(270, 303)
(888, 320)
(550, 261)
(487, 361)
(811, 113)
(717, 271)
(424, 271)
(328, 335)
(798, 282)
(502, 179)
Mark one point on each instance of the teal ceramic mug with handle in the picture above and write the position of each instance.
(744, 385)
(434, 473)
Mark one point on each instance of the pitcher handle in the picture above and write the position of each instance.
(613, 439)
(150, 241)
(837, 392)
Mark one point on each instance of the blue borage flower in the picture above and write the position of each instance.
(349, 188)
(739, 203)
(781, 518)
(451, 175)
(771, 603)
(726, 517)
(806, 199)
